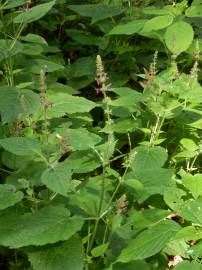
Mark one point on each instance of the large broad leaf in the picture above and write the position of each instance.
(84, 66)
(145, 218)
(60, 256)
(128, 28)
(83, 161)
(148, 158)
(178, 37)
(35, 66)
(81, 139)
(67, 104)
(58, 178)
(21, 146)
(46, 226)
(193, 183)
(9, 196)
(147, 163)
(35, 13)
(149, 242)
(158, 23)
(34, 38)
(15, 103)
(97, 12)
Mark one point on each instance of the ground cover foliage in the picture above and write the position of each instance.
(100, 135)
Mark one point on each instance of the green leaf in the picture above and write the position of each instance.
(97, 12)
(173, 197)
(10, 106)
(58, 256)
(9, 196)
(147, 217)
(33, 38)
(132, 266)
(83, 161)
(46, 226)
(21, 146)
(67, 104)
(58, 179)
(15, 103)
(158, 23)
(193, 183)
(35, 66)
(129, 28)
(149, 242)
(148, 158)
(35, 13)
(192, 211)
(189, 233)
(11, 4)
(194, 11)
(179, 41)
(99, 250)
(84, 66)
(81, 139)
(188, 266)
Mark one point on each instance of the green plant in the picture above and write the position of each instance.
(100, 135)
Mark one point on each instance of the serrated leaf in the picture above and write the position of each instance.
(129, 28)
(179, 41)
(58, 256)
(67, 104)
(158, 23)
(81, 139)
(35, 13)
(46, 226)
(9, 196)
(21, 146)
(148, 158)
(149, 242)
(58, 179)
(97, 12)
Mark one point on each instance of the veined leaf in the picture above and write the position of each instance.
(81, 139)
(48, 225)
(158, 23)
(67, 104)
(58, 179)
(21, 146)
(179, 41)
(129, 28)
(149, 242)
(58, 256)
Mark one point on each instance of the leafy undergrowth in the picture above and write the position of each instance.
(100, 135)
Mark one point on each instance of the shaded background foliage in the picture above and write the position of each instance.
(100, 158)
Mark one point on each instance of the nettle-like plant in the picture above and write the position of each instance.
(94, 173)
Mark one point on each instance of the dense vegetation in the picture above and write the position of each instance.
(100, 135)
